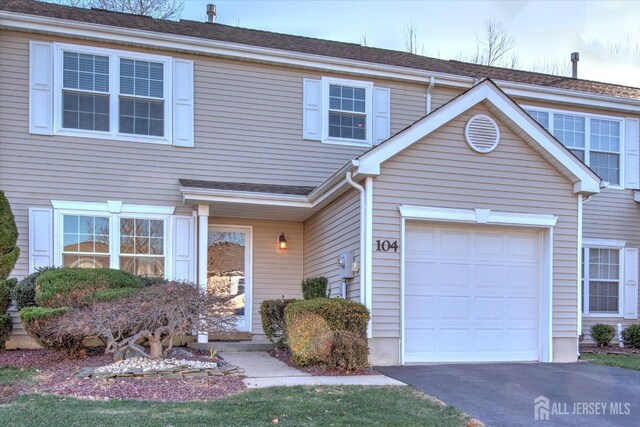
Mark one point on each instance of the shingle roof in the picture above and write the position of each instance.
(309, 45)
(290, 190)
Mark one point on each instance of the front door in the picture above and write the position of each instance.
(229, 268)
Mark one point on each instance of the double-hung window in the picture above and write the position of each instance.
(97, 238)
(112, 93)
(602, 287)
(595, 140)
(347, 111)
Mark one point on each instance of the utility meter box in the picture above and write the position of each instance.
(345, 265)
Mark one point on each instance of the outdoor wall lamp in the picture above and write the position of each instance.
(282, 241)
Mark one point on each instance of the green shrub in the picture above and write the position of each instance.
(67, 287)
(309, 339)
(34, 314)
(602, 334)
(314, 287)
(631, 335)
(5, 294)
(272, 315)
(41, 323)
(5, 329)
(152, 280)
(24, 293)
(9, 252)
(349, 351)
(340, 314)
(109, 295)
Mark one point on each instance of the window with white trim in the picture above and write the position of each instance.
(104, 92)
(601, 281)
(595, 140)
(136, 243)
(347, 111)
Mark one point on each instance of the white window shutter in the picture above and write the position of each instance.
(40, 238)
(41, 88)
(183, 128)
(381, 114)
(312, 109)
(184, 248)
(632, 161)
(630, 292)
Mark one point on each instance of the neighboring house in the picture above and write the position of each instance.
(155, 146)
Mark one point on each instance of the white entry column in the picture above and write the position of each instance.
(203, 237)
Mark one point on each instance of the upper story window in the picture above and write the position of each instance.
(347, 111)
(112, 93)
(595, 140)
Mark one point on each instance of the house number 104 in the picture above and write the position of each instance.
(386, 245)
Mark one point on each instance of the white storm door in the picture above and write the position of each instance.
(229, 268)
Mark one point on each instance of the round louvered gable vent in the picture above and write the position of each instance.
(482, 133)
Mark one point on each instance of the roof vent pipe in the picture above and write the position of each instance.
(575, 57)
(211, 13)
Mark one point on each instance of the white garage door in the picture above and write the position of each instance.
(472, 294)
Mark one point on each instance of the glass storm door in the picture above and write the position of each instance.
(229, 269)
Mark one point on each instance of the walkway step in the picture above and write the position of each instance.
(361, 380)
(259, 365)
(233, 346)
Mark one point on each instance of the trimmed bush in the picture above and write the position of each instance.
(24, 293)
(109, 295)
(9, 252)
(152, 280)
(67, 287)
(314, 287)
(349, 351)
(41, 323)
(310, 339)
(340, 314)
(631, 335)
(272, 315)
(602, 334)
(5, 329)
(5, 294)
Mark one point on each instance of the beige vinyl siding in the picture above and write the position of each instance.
(442, 171)
(333, 230)
(248, 128)
(612, 214)
(276, 273)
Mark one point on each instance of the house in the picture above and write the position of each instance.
(480, 213)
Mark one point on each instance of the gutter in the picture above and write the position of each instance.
(432, 83)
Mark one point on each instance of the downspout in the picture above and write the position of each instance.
(432, 83)
(363, 217)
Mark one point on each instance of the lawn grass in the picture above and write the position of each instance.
(627, 361)
(289, 406)
(10, 375)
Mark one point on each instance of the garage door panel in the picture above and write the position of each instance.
(490, 276)
(475, 297)
(489, 245)
(455, 244)
(455, 308)
(489, 308)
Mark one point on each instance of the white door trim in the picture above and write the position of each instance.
(248, 279)
(477, 216)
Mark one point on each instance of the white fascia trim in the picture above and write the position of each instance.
(213, 47)
(604, 243)
(477, 216)
(369, 163)
(567, 96)
(194, 195)
(112, 206)
(636, 196)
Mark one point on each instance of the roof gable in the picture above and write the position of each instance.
(584, 179)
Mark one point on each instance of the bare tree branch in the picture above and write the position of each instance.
(161, 9)
(411, 40)
(493, 47)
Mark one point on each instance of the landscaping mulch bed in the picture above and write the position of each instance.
(608, 350)
(57, 376)
(284, 355)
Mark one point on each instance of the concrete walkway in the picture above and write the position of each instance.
(262, 370)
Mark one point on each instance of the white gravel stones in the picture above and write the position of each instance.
(143, 365)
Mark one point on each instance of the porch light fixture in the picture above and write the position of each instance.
(282, 241)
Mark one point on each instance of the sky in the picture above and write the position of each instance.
(544, 32)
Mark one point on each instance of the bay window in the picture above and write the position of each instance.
(595, 140)
(85, 241)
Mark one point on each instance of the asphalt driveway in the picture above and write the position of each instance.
(503, 394)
